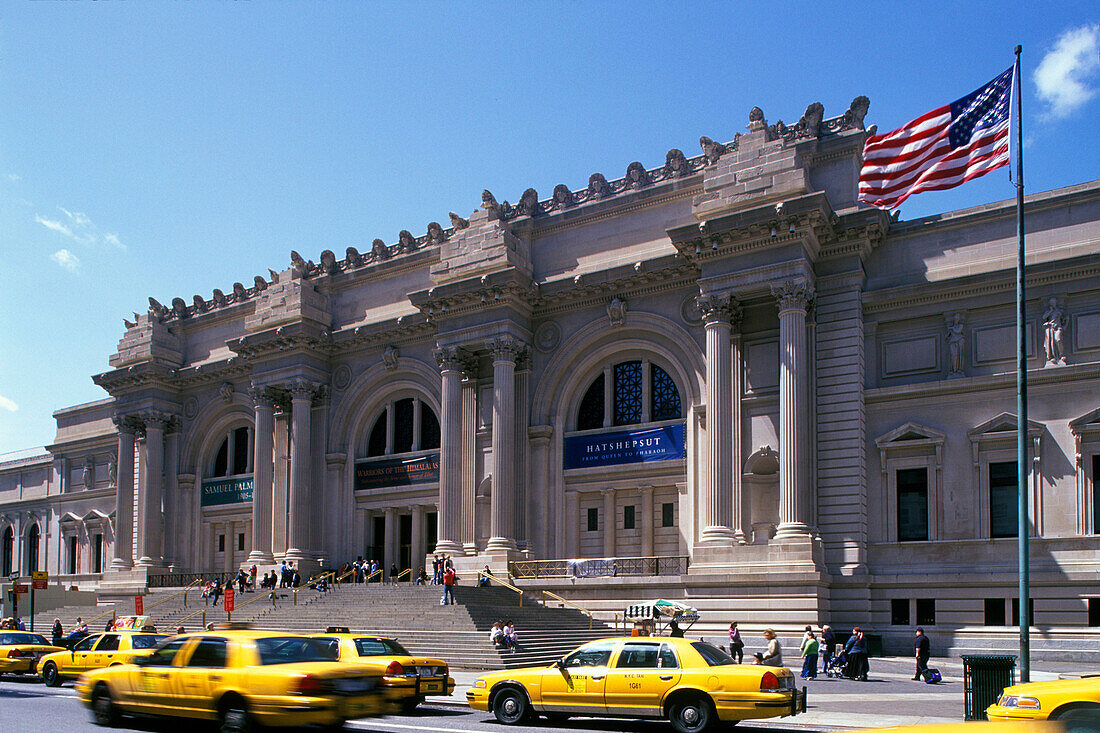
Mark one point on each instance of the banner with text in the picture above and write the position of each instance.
(397, 472)
(665, 443)
(226, 491)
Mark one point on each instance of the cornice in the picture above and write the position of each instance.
(679, 274)
(969, 385)
(695, 188)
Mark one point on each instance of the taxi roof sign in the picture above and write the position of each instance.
(337, 630)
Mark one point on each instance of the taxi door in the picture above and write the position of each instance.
(643, 674)
(105, 652)
(80, 656)
(201, 675)
(154, 678)
(577, 685)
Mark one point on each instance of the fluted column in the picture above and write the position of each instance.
(718, 312)
(573, 521)
(418, 552)
(301, 406)
(263, 477)
(389, 544)
(152, 493)
(609, 523)
(502, 536)
(451, 362)
(124, 497)
(793, 298)
(647, 521)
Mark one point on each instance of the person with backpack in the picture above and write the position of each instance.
(922, 652)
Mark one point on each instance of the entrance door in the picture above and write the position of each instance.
(404, 541)
(376, 551)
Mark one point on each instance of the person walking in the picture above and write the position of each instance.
(215, 591)
(809, 649)
(828, 645)
(449, 587)
(856, 649)
(773, 657)
(737, 645)
(58, 633)
(922, 651)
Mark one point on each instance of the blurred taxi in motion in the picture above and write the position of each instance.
(407, 678)
(1076, 700)
(98, 650)
(690, 683)
(241, 679)
(20, 651)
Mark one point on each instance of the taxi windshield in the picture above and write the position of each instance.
(146, 641)
(711, 654)
(6, 639)
(291, 650)
(378, 647)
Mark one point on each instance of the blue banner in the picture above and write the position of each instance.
(665, 443)
(226, 491)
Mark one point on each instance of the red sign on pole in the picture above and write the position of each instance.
(19, 587)
(229, 600)
(39, 584)
(139, 605)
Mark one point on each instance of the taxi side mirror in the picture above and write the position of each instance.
(559, 663)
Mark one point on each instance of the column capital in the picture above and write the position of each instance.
(127, 424)
(507, 349)
(793, 294)
(263, 396)
(540, 434)
(719, 308)
(156, 419)
(646, 490)
(302, 389)
(455, 359)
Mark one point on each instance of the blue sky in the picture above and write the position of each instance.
(168, 148)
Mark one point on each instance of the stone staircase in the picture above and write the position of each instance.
(457, 633)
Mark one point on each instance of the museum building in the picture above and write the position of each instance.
(720, 380)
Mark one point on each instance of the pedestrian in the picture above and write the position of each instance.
(215, 591)
(284, 576)
(58, 633)
(210, 626)
(449, 578)
(809, 649)
(496, 635)
(393, 573)
(253, 572)
(773, 657)
(19, 624)
(295, 579)
(922, 651)
(510, 635)
(421, 577)
(448, 563)
(436, 570)
(483, 578)
(828, 646)
(180, 630)
(674, 630)
(856, 649)
(737, 645)
(110, 625)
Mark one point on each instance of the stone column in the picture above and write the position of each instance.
(416, 558)
(794, 298)
(543, 521)
(230, 530)
(124, 497)
(152, 494)
(647, 521)
(451, 361)
(718, 312)
(609, 523)
(572, 524)
(301, 405)
(506, 351)
(389, 544)
(263, 477)
(736, 456)
(468, 501)
(172, 508)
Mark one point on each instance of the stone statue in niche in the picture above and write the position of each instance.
(112, 470)
(616, 311)
(87, 476)
(956, 341)
(1054, 325)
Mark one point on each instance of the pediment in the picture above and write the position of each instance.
(911, 433)
(1002, 424)
(70, 518)
(1088, 422)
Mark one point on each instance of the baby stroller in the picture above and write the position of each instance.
(837, 666)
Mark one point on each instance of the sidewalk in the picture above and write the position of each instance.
(889, 698)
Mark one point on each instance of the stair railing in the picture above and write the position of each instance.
(89, 623)
(312, 582)
(558, 598)
(170, 597)
(506, 584)
(403, 573)
(371, 575)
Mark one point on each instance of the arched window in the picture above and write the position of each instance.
(234, 455)
(405, 425)
(640, 392)
(7, 551)
(32, 549)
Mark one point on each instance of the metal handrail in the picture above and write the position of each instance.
(506, 584)
(174, 595)
(556, 597)
(340, 579)
(371, 575)
(403, 573)
(312, 582)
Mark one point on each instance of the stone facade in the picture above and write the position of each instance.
(725, 359)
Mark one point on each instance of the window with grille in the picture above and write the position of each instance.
(666, 398)
(591, 413)
(628, 393)
(406, 437)
(633, 385)
(233, 455)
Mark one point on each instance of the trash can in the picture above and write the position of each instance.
(985, 676)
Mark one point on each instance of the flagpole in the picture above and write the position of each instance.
(1022, 465)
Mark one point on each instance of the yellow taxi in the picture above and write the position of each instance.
(691, 683)
(95, 651)
(1077, 699)
(408, 678)
(241, 679)
(21, 650)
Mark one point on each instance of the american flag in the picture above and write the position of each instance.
(942, 149)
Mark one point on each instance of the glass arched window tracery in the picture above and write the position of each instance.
(640, 392)
(32, 548)
(8, 550)
(413, 427)
(234, 454)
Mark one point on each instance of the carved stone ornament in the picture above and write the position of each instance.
(190, 407)
(259, 284)
(636, 176)
(797, 294)
(435, 233)
(676, 165)
(328, 262)
(616, 311)
(528, 203)
(87, 475)
(354, 259)
(598, 187)
(299, 267)
(1054, 326)
(506, 348)
(406, 242)
(158, 310)
(226, 392)
(756, 115)
(341, 377)
(302, 388)
(112, 470)
(956, 344)
(711, 149)
(199, 304)
(239, 292)
(489, 203)
(719, 308)
(262, 395)
(453, 359)
(458, 222)
(389, 357)
(379, 250)
(563, 197)
(547, 336)
(690, 311)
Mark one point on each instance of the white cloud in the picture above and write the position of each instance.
(7, 404)
(113, 239)
(79, 227)
(66, 259)
(54, 224)
(1063, 76)
(13, 177)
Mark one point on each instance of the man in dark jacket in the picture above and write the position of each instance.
(856, 649)
(922, 651)
(828, 645)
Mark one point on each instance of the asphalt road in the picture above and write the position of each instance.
(31, 707)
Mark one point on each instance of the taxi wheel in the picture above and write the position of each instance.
(103, 707)
(408, 706)
(510, 706)
(235, 718)
(691, 715)
(557, 718)
(1079, 717)
(50, 675)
